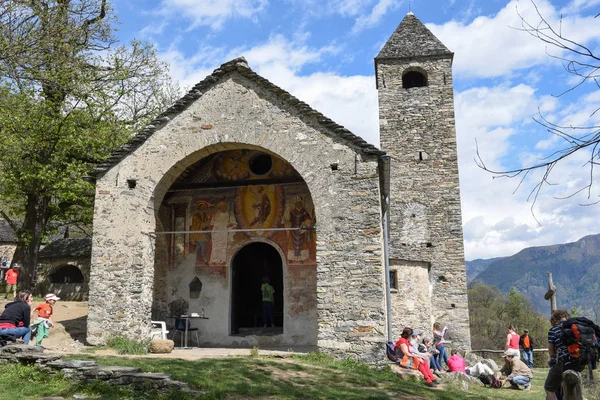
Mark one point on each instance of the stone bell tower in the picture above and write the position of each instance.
(417, 129)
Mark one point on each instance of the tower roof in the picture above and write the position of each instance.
(412, 39)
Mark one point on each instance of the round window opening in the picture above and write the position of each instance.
(260, 164)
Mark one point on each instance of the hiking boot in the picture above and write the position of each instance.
(514, 387)
(528, 387)
(432, 384)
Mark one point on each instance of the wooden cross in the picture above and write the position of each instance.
(551, 293)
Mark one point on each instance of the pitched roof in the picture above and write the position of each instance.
(6, 232)
(67, 248)
(412, 39)
(240, 66)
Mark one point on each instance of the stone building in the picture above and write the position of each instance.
(64, 268)
(240, 180)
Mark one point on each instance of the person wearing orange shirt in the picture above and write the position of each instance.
(44, 320)
(526, 345)
(11, 280)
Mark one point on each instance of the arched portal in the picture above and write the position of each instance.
(227, 220)
(248, 267)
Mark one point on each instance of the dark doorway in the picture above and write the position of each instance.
(66, 274)
(248, 267)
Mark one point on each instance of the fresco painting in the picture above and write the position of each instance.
(224, 204)
(259, 207)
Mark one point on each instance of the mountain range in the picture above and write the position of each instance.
(575, 269)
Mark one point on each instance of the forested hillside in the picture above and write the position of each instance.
(575, 269)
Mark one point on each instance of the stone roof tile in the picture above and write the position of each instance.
(67, 248)
(240, 66)
(412, 39)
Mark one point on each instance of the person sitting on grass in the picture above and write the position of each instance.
(44, 320)
(517, 372)
(408, 360)
(14, 321)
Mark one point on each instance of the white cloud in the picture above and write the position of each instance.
(494, 46)
(379, 10)
(212, 13)
(348, 100)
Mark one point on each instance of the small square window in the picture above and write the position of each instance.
(393, 279)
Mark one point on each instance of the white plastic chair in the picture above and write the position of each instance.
(159, 328)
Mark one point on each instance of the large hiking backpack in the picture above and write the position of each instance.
(490, 380)
(579, 339)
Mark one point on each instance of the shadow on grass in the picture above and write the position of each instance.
(275, 379)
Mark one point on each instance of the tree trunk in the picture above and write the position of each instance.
(30, 239)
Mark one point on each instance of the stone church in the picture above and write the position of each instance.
(239, 180)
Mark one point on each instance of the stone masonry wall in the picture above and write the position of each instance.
(417, 130)
(66, 291)
(236, 112)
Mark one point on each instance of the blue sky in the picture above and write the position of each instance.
(322, 52)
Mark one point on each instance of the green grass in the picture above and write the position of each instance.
(126, 346)
(312, 376)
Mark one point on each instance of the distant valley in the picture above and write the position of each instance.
(575, 271)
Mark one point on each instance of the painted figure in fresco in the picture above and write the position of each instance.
(201, 221)
(262, 208)
(232, 166)
(298, 239)
(220, 222)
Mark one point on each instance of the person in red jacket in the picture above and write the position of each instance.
(408, 360)
(11, 281)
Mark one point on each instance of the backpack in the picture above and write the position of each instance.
(490, 380)
(579, 337)
(391, 351)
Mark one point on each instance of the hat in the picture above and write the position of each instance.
(16, 265)
(508, 353)
(416, 332)
(526, 330)
(426, 339)
(52, 296)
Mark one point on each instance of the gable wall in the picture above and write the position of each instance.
(349, 265)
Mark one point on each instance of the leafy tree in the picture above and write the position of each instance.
(69, 95)
(491, 312)
(583, 64)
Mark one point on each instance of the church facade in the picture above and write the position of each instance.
(239, 181)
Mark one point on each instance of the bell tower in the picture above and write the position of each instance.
(417, 129)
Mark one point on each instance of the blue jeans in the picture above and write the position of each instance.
(528, 357)
(434, 363)
(267, 308)
(22, 332)
(520, 380)
(443, 355)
